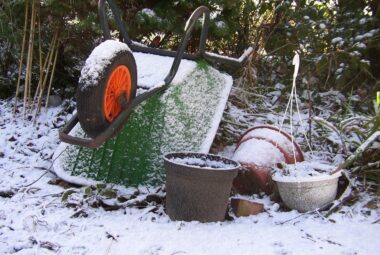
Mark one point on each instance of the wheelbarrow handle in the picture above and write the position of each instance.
(237, 62)
(64, 135)
(95, 142)
(180, 53)
(111, 130)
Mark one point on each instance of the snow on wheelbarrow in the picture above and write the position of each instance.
(258, 150)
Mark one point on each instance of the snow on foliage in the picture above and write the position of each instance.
(336, 40)
(148, 12)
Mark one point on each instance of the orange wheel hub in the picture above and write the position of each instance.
(119, 83)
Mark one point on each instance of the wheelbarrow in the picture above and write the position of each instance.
(107, 91)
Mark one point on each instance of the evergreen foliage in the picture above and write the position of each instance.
(338, 40)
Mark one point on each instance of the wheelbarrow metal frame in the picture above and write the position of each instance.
(178, 55)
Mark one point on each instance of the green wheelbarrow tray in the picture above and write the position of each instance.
(184, 117)
(127, 148)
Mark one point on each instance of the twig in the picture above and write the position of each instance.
(299, 216)
(39, 178)
(47, 170)
(109, 246)
(328, 73)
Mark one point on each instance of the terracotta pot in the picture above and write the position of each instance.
(259, 149)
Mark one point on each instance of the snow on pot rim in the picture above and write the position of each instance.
(281, 178)
(305, 172)
(203, 161)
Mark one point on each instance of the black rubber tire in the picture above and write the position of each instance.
(90, 99)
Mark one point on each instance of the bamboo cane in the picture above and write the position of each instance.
(44, 73)
(22, 55)
(43, 85)
(39, 40)
(49, 63)
(29, 59)
(52, 74)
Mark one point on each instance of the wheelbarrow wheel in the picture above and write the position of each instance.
(102, 83)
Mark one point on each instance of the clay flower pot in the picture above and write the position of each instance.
(198, 186)
(258, 150)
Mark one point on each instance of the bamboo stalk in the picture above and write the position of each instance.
(47, 68)
(52, 74)
(43, 85)
(44, 73)
(29, 60)
(22, 55)
(39, 40)
(31, 57)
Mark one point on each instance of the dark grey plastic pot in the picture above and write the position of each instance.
(198, 186)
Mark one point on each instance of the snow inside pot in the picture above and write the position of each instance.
(307, 186)
(258, 150)
(198, 186)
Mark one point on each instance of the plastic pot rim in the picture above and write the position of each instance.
(236, 163)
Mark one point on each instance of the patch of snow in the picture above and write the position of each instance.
(364, 36)
(362, 21)
(245, 54)
(99, 58)
(322, 26)
(355, 53)
(220, 24)
(148, 12)
(279, 86)
(275, 136)
(364, 61)
(258, 152)
(360, 45)
(336, 40)
(309, 177)
(304, 169)
(152, 69)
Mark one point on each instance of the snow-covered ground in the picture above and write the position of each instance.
(34, 220)
(40, 214)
